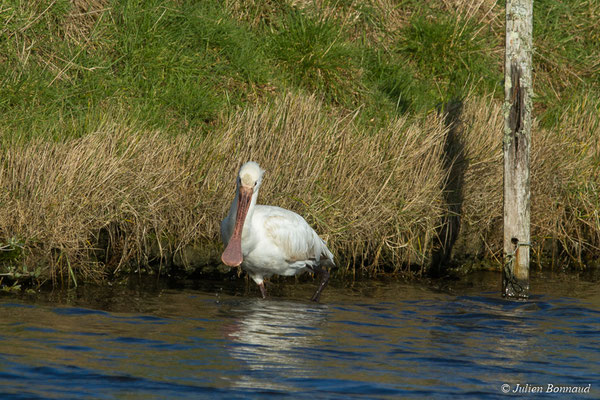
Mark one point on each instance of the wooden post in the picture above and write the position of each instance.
(517, 134)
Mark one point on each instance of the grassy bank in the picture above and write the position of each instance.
(122, 126)
(115, 197)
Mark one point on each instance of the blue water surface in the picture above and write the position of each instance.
(365, 340)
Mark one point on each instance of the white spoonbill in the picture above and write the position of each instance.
(269, 240)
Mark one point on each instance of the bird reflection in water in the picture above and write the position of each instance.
(273, 336)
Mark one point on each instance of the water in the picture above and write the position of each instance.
(366, 340)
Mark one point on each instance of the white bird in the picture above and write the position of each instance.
(269, 240)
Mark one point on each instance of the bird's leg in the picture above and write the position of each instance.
(324, 279)
(263, 291)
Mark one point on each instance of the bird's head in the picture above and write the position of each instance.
(250, 176)
(248, 181)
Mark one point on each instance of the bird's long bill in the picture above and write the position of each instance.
(232, 256)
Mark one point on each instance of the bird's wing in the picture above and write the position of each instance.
(292, 234)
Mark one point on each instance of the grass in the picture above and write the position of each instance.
(123, 122)
(178, 66)
(314, 54)
(566, 54)
(141, 189)
(173, 67)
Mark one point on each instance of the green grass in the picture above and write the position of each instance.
(567, 59)
(450, 56)
(178, 66)
(314, 54)
(171, 66)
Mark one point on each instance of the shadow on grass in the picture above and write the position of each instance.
(454, 162)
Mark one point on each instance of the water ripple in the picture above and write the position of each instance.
(410, 343)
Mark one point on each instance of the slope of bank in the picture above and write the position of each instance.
(120, 198)
(122, 126)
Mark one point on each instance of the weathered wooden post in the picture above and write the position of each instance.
(517, 134)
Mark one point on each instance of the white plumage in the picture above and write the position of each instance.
(269, 240)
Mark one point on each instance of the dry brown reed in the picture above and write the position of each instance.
(478, 157)
(97, 203)
(115, 186)
(123, 196)
(565, 181)
(377, 199)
